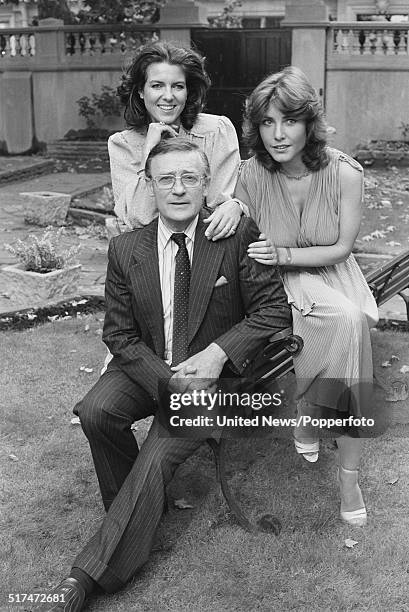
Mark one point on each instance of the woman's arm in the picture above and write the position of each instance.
(224, 161)
(133, 205)
(350, 212)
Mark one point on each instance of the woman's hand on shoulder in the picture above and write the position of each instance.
(223, 221)
(263, 251)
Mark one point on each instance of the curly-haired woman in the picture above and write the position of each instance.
(164, 91)
(306, 198)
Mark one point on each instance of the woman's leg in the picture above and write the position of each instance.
(306, 437)
(352, 504)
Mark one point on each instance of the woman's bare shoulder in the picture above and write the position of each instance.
(336, 155)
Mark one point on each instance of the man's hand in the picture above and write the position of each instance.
(180, 381)
(201, 371)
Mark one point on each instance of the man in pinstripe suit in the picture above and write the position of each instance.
(234, 306)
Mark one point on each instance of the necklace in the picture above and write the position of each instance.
(295, 177)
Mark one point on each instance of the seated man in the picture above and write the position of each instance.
(172, 297)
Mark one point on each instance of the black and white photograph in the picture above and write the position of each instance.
(204, 305)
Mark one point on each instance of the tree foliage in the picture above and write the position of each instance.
(120, 11)
(226, 19)
(99, 11)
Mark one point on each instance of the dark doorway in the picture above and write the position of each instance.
(237, 60)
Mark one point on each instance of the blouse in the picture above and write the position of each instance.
(214, 134)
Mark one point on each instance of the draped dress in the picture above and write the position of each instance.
(332, 306)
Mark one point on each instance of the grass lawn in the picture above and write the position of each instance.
(201, 562)
(385, 219)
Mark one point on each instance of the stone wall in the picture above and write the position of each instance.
(367, 82)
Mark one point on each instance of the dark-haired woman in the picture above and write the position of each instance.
(163, 91)
(306, 199)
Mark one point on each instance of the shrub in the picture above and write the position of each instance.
(94, 108)
(43, 254)
(405, 130)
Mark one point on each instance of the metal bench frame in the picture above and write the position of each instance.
(277, 360)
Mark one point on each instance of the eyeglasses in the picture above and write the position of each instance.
(167, 181)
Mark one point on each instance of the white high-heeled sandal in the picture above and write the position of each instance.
(355, 518)
(309, 451)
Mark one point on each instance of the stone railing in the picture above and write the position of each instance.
(99, 40)
(368, 38)
(17, 43)
(78, 41)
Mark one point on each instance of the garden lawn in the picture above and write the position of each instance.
(385, 220)
(202, 561)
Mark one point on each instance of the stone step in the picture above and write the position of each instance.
(77, 149)
(84, 216)
(28, 170)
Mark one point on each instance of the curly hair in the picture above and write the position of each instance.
(134, 79)
(294, 96)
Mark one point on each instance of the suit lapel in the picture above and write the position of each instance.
(144, 275)
(207, 258)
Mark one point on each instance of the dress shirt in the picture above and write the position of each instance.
(167, 250)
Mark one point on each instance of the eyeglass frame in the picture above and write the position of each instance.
(175, 177)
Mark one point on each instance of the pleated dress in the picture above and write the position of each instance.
(332, 306)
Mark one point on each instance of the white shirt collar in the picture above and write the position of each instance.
(164, 233)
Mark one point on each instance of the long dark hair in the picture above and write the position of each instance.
(134, 79)
(294, 96)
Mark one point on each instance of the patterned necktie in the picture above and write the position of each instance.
(180, 300)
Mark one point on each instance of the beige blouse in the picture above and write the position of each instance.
(214, 134)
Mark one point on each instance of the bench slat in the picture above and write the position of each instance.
(384, 291)
(400, 262)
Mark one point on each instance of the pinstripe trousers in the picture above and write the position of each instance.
(132, 482)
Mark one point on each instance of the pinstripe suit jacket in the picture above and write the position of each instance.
(240, 315)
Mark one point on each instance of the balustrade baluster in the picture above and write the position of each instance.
(379, 48)
(23, 45)
(13, 45)
(70, 42)
(113, 41)
(355, 44)
(335, 45)
(102, 41)
(92, 44)
(8, 46)
(366, 48)
(81, 42)
(373, 41)
(403, 43)
(344, 44)
(3, 44)
(32, 45)
(87, 44)
(361, 41)
(387, 42)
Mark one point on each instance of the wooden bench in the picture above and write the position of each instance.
(277, 360)
(391, 279)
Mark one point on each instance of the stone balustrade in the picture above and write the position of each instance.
(97, 40)
(79, 41)
(369, 39)
(17, 43)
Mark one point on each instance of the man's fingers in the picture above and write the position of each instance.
(185, 368)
